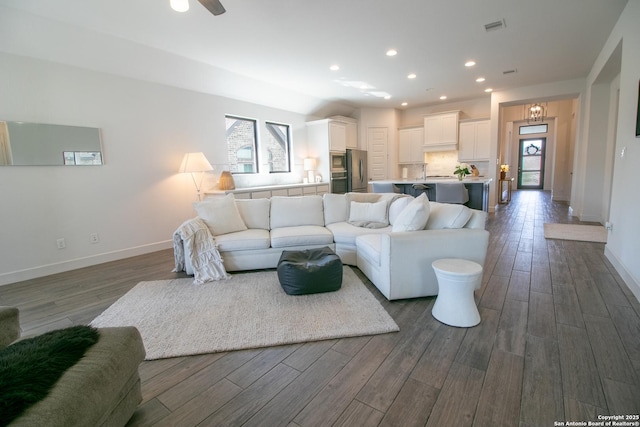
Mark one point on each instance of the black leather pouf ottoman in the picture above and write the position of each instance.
(310, 271)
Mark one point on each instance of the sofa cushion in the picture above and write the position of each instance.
(295, 211)
(414, 216)
(220, 214)
(369, 215)
(244, 240)
(445, 215)
(336, 208)
(254, 212)
(300, 236)
(369, 247)
(345, 233)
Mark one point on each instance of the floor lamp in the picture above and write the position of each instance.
(195, 163)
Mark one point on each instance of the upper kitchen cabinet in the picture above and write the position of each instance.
(441, 131)
(410, 142)
(336, 133)
(474, 140)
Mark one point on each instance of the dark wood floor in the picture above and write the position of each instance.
(559, 340)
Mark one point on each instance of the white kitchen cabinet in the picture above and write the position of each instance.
(337, 136)
(410, 143)
(335, 133)
(352, 135)
(474, 140)
(441, 131)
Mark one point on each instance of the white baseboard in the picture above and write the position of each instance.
(45, 270)
(631, 283)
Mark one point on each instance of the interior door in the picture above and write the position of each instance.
(377, 153)
(531, 163)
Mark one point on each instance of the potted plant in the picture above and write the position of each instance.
(462, 170)
(503, 171)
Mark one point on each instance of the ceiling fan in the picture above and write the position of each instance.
(213, 6)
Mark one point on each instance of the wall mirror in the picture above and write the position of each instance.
(38, 144)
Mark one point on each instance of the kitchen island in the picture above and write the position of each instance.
(478, 188)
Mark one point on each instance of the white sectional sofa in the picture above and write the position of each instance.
(384, 235)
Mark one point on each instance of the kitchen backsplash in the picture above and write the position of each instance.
(439, 163)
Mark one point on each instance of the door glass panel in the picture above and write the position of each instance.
(531, 163)
(528, 130)
(531, 178)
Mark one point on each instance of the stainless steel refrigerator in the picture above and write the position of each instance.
(357, 180)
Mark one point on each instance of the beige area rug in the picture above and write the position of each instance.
(583, 233)
(178, 318)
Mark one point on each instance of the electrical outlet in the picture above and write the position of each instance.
(61, 243)
(94, 238)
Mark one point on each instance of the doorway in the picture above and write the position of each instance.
(531, 163)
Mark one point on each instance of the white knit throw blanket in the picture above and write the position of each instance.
(205, 258)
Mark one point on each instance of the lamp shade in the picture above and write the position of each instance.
(226, 181)
(309, 164)
(195, 162)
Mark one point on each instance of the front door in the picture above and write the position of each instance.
(531, 163)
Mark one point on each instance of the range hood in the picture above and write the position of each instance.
(440, 147)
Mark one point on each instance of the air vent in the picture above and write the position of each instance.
(493, 26)
(510, 71)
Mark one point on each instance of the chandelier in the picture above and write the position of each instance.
(535, 113)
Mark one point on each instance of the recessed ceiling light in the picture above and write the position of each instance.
(404, 104)
(488, 89)
(334, 67)
(411, 76)
(470, 63)
(443, 97)
(480, 79)
(387, 97)
(392, 52)
(179, 5)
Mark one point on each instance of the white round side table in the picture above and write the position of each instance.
(457, 279)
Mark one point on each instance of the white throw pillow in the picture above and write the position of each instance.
(445, 215)
(254, 212)
(220, 214)
(372, 215)
(414, 216)
(397, 206)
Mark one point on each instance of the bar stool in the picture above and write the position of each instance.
(457, 279)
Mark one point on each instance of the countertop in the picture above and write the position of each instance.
(264, 187)
(435, 180)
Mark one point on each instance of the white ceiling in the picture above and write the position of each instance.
(291, 43)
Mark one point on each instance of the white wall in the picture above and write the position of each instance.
(623, 244)
(136, 200)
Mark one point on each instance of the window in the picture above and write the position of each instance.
(242, 144)
(278, 145)
(528, 130)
